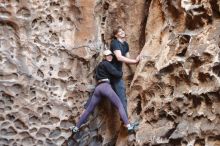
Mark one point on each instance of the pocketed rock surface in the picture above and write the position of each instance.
(48, 52)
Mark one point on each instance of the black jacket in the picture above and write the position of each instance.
(105, 70)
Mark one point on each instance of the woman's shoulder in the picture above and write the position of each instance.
(105, 63)
(114, 41)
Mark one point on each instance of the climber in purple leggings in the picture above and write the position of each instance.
(105, 71)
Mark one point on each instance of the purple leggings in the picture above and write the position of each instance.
(103, 90)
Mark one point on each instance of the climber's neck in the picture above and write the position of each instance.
(121, 40)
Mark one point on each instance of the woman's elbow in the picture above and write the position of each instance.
(119, 58)
(120, 75)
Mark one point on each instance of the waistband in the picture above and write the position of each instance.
(103, 80)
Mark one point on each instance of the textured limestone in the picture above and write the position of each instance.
(177, 81)
(48, 52)
(47, 56)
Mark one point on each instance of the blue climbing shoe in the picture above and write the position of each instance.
(74, 129)
(132, 127)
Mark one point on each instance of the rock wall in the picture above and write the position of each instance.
(49, 50)
(175, 90)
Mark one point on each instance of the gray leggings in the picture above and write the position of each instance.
(103, 90)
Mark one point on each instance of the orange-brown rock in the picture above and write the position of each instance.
(48, 52)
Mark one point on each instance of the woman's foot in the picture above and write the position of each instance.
(132, 127)
(74, 129)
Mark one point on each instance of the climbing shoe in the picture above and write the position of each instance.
(74, 129)
(132, 127)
